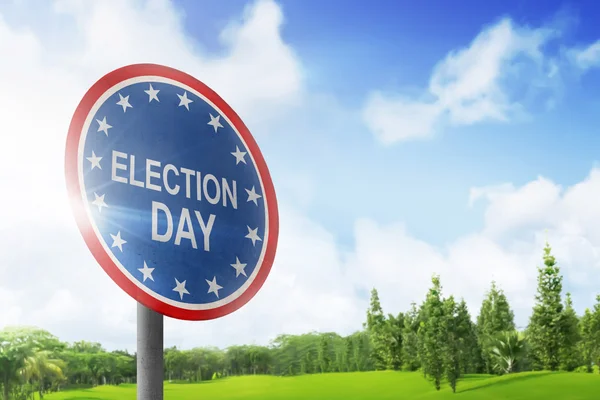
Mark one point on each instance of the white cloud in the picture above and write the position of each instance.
(258, 71)
(486, 81)
(401, 266)
(512, 209)
(49, 278)
(586, 57)
(507, 249)
(258, 76)
(394, 119)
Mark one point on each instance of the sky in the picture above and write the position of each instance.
(403, 140)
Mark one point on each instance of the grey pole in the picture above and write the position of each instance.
(150, 367)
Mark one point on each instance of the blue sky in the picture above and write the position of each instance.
(348, 49)
(379, 122)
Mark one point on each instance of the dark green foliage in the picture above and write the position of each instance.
(324, 354)
(570, 355)
(453, 344)
(410, 340)
(589, 328)
(494, 317)
(394, 327)
(595, 333)
(362, 351)
(470, 351)
(545, 331)
(432, 334)
(377, 327)
(348, 360)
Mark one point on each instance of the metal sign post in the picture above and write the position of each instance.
(150, 363)
(173, 198)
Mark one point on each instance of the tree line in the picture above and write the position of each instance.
(438, 338)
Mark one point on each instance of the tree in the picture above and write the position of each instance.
(589, 328)
(570, 356)
(394, 327)
(376, 327)
(545, 330)
(17, 346)
(596, 332)
(470, 351)
(324, 357)
(362, 351)
(495, 316)
(39, 367)
(507, 348)
(587, 345)
(410, 340)
(348, 354)
(452, 346)
(432, 333)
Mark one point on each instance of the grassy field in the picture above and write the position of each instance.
(367, 385)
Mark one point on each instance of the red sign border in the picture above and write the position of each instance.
(78, 207)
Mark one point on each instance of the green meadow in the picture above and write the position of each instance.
(385, 360)
(364, 385)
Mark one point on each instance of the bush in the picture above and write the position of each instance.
(584, 369)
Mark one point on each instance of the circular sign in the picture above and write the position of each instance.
(171, 192)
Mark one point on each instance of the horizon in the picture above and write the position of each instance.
(398, 149)
(472, 313)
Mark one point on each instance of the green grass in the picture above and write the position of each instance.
(366, 385)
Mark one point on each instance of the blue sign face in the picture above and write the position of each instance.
(176, 196)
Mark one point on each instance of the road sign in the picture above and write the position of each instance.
(171, 192)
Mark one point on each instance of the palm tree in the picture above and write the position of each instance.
(14, 348)
(40, 366)
(507, 349)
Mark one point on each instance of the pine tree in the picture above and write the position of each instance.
(324, 358)
(587, 346)
(470, 352)
(452, 345)
(361, 351)
(376, 327)
(432, 333)
(596, 332)
(394, 326)
(494, 317)
(349, 352)
(410, 340)
(589, 329)
(570, 357)
(545, 330)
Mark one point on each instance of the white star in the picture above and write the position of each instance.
(253, 235)
(184, 101)
(94, 160)
(99, 202)
(239, 268)
(147, 272)
(252, 195)
(124, 102)
(213, 286)
(239, 155)
(104, 127)
(180, 288)
(214, 122)
(152, 94)
(117, 241)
